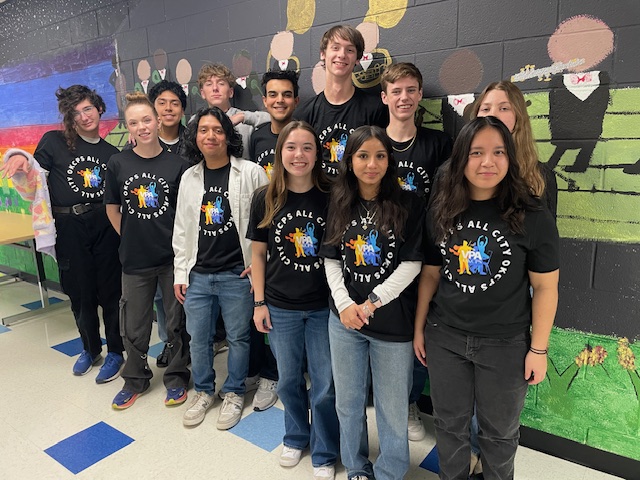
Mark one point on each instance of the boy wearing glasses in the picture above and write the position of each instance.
(74, 161)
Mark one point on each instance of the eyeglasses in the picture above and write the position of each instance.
(86, 111)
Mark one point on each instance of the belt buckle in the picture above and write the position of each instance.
(78, 209)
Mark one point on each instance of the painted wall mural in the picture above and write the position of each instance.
(30, 109)
(585, 115)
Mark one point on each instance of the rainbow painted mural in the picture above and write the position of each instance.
(29, 109)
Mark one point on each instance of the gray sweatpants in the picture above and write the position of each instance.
(136, 318)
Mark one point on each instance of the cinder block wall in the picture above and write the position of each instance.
(459, 45)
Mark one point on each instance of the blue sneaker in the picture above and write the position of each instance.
(111, 368)
(85, 363)
(175, 396)
(124, 399)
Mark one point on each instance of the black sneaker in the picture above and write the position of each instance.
(163, 359)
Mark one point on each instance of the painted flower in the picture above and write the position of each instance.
(591, 356)
(626, 357)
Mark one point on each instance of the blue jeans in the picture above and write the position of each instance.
(300, 340)
(391, 374)
(489, 371)
(209, 294)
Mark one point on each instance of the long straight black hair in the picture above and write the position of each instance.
(392, 213)
(451, 196)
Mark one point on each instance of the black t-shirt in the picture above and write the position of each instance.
(262, 147)
(484, 283)
(218, 242)
(419, 158)
(369, 256)
(334, 123)
(295, 278)
(147, 190)
(74, 177)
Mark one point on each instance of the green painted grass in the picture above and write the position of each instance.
(600, 408)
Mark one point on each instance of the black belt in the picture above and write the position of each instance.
(77, 209)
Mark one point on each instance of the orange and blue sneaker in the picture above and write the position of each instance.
(175, 396)
(124, 399)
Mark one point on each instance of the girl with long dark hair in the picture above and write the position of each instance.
(372, 254)
(485, 337)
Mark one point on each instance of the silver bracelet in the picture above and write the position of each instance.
(367, 311)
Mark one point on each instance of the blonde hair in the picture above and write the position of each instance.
(219, 70)
(526, 150)
(138, 98)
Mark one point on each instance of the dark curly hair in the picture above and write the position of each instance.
(289, 75)
(451, 196)
(173, 87)
(233, 139)
(345, 195)
(68, 99)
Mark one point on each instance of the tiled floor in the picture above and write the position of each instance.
(57, 426)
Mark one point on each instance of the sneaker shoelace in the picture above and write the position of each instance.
(201, 400)
(414, 415)
(268, 384)
(289, 452)
(231, 403)
(324, 471)
(110, 361)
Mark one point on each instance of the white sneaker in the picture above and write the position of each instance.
(415, 427)
(324, 473)
(290, 457)
(231, 411)
(266, 395)
(198, 409)
(250, 384)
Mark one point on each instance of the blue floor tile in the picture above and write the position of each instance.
(38, 304)
(4, 329)
(263, 429)
(72, 347)
(155, 350)
(87, 447)
(431, 462)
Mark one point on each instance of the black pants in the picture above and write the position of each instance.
(136, 319)
(489, 372)
(87, 251)
(261, 359)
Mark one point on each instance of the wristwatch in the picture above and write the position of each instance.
(375, 299)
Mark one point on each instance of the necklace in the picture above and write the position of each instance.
(408, 146)
(368, 219)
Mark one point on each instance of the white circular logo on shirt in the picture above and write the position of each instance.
(482, 257)
(85, 175)
(303, 236)
(146, 195)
